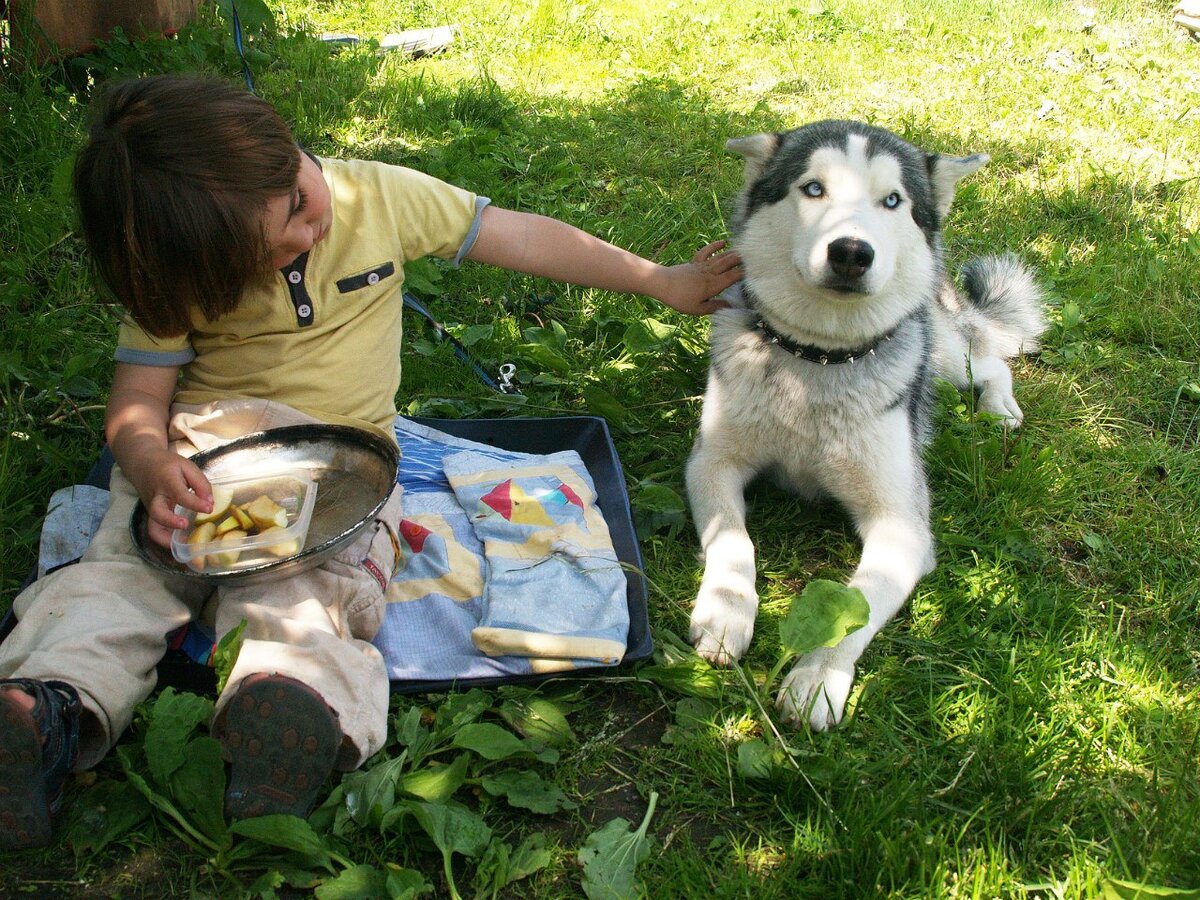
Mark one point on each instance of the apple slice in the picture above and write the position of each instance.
(227, 557)
(228, 524)
(222, 497)
(244, 521)
(285, 547)
(266, 513)
(202, 534)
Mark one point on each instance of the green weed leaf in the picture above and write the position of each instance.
(527, 790)
(13, 366)
(454, 829)
(602, 403)
(540, 719)
(423, 277)
(370, 795)
(104, 813)
(299, 878)
(184, 828)
(502, 866)
(693, 715)
(173, 718)
(546, 347)
(254, 15)
(1128, 890)
(422, 347)
(458, 710)
(265, 884)
(611, 855)
(436, 784)
(658, 507)
(61, 189)
(188, 772)
(225, 654)
(648, 335)
(755, 759)
(690, 675)
(529, 857)
(198, 787)
(1190, 390)
(443, 408)
(546, 357)
(405, 884)
(505, 403)
(356, 883)
(79, 386)
(409, 730)
(489, 741)
(290, 833)
(552, 336)
(473, 334)
(823, 613)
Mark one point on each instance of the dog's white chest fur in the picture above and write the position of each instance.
(779, 412)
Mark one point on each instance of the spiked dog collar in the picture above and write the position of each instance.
(813, 353)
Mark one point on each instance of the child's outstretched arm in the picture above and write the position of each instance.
(538, 245)
(135, 423)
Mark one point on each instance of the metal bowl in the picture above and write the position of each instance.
(354, 470)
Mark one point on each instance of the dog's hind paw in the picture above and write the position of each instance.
(722, 625)
(816, 691)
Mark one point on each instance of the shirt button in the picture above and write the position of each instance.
(294, 277)
(304, 310)
(373, 278)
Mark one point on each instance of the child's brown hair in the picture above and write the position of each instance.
(172, 187)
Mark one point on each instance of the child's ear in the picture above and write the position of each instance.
(945, 172)
(756, 150)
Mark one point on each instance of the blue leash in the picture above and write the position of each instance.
(237, 42)
(504, 386)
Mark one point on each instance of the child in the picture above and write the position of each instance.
(261, 285)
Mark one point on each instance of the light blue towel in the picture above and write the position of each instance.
(436, 598)
(554, 587)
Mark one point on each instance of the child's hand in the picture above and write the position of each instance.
(167, 479)
(692, 286)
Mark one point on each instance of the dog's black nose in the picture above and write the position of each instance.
(850, 257)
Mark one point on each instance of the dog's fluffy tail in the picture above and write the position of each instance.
(1005, 306)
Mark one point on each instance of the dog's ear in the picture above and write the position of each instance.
(756, 149)
(945, 172)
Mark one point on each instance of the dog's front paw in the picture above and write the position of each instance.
(1003, 404)
(816, 690)
(722, 624)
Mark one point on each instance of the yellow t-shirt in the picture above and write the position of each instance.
(323, 335)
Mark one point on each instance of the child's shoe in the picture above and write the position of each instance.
(282, 741)
(37, 750)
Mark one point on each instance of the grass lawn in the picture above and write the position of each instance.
(1030, 723)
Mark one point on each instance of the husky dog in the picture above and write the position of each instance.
(823, 378)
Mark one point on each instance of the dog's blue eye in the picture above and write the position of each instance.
(813, 189)
(892, 200)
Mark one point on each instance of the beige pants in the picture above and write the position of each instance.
(102, 624)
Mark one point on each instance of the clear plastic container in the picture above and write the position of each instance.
(248, 531)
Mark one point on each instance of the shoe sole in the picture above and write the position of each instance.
(24, 807)
(282, 741)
